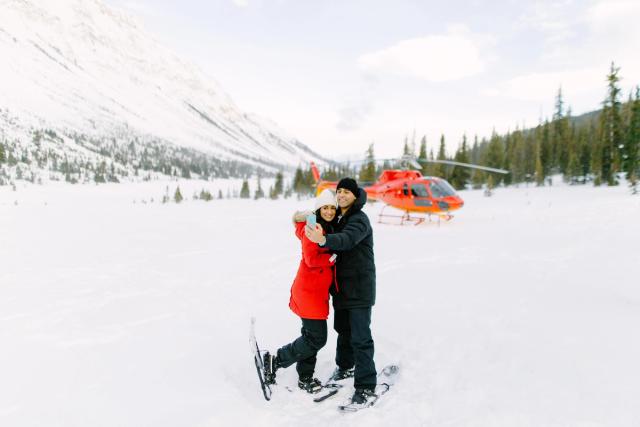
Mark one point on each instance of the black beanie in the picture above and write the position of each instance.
(349, 184)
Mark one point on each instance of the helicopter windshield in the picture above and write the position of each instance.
(419, 190)
(441, 189)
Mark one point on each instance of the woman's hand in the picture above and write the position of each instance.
(315, 234)
(300, 216)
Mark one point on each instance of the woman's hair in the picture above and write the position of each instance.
(328, 227)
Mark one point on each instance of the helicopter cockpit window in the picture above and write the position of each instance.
(419, 190)
(441, 189)
(405, 189)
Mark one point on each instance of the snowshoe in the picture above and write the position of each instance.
(310, 385)
(270, 366)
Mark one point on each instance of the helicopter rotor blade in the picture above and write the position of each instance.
(465, 165)
(414, 164)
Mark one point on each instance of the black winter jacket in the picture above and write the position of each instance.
(355, 285)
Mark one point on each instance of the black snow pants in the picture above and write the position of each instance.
(355, 344)
(304, 349)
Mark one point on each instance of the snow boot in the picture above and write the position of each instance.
(364, 397)
(270, 363)
(342, 374)
(310, 385)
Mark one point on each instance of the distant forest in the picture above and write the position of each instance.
(598, 147)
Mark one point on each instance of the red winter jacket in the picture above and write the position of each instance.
(310, 289)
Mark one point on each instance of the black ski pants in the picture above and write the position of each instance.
(304, 349)
(355, 344)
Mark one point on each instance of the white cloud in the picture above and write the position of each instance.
(437, 58)
(544, 86)
(606, 31)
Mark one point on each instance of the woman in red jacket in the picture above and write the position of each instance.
(309, 300)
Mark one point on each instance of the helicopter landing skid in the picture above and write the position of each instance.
(406, 218)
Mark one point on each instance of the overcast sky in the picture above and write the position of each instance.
(341, 74)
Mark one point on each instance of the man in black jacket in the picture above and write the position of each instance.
(354, 292)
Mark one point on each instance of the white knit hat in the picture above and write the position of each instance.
(327, 197)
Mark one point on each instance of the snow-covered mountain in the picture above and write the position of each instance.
(82, 67)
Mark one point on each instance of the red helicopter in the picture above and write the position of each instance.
(411, 192)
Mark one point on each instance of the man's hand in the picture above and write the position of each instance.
(315, 235)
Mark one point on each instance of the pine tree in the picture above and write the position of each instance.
(539, 174)
(278, 187)
(368, 170)
(406, 151)
(495, 156)
(245, 193)
(561, 135)
(177, 196)
(205, 195)
(632, 146)
(2, 155)
(259, 194)
(514, 158)
(423, 155)
(438, 168)
(573, 173)
(309, 181)
(461, 175)
(423, 148)
(546, 149)
(611, 129)
(298, 181)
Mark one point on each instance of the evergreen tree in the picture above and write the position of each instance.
(244, 191)
(288, 192)
(2, 155)
(611, 129)
(461, 175)
(539, 174)
(330, 174)
(423, 148)
(632, 146)
(309, 181)
(259, 194)
(406, 151)
(278, 187)
(177, 196)
(423, 155)
(573, 173)
(529, 157)
(368, 170)
(546, 148)
(495, 156)
(205, 195)
(561, 135)
(298, 181)
(514, 158)
(438, 168)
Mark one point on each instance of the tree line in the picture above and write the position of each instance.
(599, 148)
(79, 158)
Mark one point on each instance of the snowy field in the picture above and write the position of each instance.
(522, 311)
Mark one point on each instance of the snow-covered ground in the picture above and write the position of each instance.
(522, 311)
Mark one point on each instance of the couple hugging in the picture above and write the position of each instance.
(337, 259)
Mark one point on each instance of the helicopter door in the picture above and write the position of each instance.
(420, 195)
